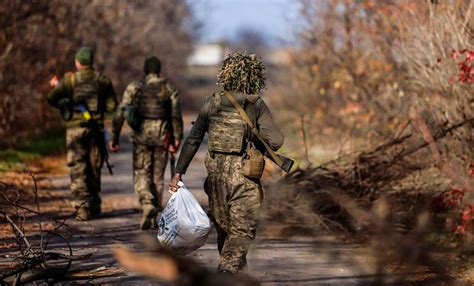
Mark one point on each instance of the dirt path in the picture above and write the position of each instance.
(320, 260)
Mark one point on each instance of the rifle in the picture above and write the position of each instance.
(284, 163)
(281, 161)
(99, 133)
(169, 139)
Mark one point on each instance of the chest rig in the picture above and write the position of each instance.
(153, 101)
(226, 129)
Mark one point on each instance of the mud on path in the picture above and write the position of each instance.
(322, 260)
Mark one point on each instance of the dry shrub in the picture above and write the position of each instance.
(384, 71)
(361, 69)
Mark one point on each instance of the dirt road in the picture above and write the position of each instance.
(320, 260)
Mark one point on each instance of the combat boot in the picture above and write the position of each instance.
(149, 217)
(95, 211)
(83, 214)
(154, 223)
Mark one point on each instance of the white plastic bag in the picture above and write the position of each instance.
(183, 225)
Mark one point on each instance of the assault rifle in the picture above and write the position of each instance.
(281, 161)
(99, 133)
(284, 163)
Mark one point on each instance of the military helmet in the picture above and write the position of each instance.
(152, 65)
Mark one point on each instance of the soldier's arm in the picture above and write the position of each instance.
(267, 126)
(109, 93)
(59, 92)
(119, 117)
(194, 140)
(176, 115)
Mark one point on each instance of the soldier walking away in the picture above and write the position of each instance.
(82, 98)
(233, 185)
(152, 109)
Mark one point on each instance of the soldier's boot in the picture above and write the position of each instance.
(149, 217)
(95, 210)
(154, 223)
(83, 214)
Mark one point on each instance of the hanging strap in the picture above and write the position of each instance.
(247, 119)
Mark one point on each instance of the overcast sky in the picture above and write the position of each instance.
(222, 19)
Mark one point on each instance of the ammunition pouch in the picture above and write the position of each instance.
(253, 163)
(133, 118)
(66, 108)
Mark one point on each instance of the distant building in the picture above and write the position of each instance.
(212, 55)
(278, 57)
(207, 55)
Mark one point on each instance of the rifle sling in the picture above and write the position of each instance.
(247, 119)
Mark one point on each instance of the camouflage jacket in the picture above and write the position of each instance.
(256, 109)
(65, 88)
(153, 131)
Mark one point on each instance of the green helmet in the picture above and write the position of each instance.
(242, 73)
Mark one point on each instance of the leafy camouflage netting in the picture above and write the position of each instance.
(242, 73)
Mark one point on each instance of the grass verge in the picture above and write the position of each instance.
(12, 158)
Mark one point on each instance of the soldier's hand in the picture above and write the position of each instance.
(174, 182)
(114, 147)
(173, 149)
(177, 143)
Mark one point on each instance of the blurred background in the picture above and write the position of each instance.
(380, 93)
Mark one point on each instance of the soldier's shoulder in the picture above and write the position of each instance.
(169, 84)
(214, 96)
(253, 98)
(68, 76)
(102, 78)
(134, 86)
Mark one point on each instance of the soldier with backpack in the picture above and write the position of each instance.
(152, 109)
(82, 98)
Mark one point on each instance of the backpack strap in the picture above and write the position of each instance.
(247, 119)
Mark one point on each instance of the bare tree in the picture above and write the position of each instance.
(38, 39)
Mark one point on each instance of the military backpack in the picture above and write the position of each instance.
(86, 90)
(153, 101)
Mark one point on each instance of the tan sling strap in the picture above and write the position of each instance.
(247, 119)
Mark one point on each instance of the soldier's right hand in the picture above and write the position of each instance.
(114, 147)
(174, 182)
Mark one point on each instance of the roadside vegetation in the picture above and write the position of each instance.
(13, 158)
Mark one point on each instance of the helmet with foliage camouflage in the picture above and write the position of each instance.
(242, 73)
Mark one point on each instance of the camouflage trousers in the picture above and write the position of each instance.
(149, 164)
(85, 162)
(234, 202)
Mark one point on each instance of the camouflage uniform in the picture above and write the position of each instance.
(234, 200)
(83, 152)
(149, 153)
